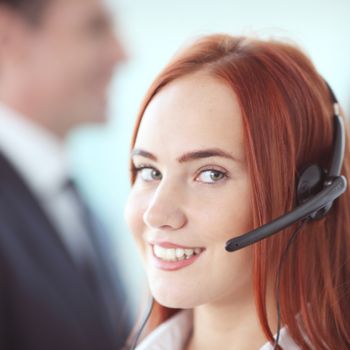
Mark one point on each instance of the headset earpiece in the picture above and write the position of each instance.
(309, 183)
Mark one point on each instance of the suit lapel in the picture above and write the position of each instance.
(43, 240)
(112, 293)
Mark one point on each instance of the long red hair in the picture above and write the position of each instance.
(288, 123)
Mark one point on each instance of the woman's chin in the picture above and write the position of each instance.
(173, 304)
(173, 300)
(176, 300)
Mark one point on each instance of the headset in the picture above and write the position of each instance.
(316, 191)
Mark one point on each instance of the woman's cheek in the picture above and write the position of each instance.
(226, 215)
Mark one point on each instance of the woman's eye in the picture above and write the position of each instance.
(210, 176)
(149, 174)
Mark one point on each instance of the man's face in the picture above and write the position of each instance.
(69, 56)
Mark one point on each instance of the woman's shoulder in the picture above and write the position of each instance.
(172, 334)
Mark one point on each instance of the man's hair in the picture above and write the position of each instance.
(29, 9)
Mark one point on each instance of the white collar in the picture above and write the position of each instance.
(171, 334)
(35, 153)
(174, 333)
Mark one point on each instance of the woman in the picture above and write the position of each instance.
(222, 137)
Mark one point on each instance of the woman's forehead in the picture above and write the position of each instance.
(196, 111)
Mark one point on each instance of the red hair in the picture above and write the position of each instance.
(288, 123)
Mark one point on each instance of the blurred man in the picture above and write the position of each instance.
(58, 289)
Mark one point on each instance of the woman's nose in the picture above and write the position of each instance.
(164, 210)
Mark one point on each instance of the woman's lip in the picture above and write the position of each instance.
(173, 245)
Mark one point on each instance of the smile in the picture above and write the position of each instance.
(175, 254)
(174, 258)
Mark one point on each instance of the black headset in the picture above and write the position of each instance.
(316, 190)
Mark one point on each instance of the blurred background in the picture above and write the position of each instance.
(152, 31)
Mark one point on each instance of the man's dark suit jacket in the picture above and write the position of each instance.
(46, 303)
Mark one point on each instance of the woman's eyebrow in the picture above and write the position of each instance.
(205, 153)
(189, 156)
(142, 153)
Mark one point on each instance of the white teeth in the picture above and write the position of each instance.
(189, 252)
(172, 254)
(180, 252)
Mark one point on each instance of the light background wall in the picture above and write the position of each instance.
(152, 31)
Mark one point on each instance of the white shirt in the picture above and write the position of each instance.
(40, 159)
(174, 333)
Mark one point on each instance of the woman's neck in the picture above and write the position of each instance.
(229, 326)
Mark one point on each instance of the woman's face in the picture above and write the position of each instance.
(191, 194)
